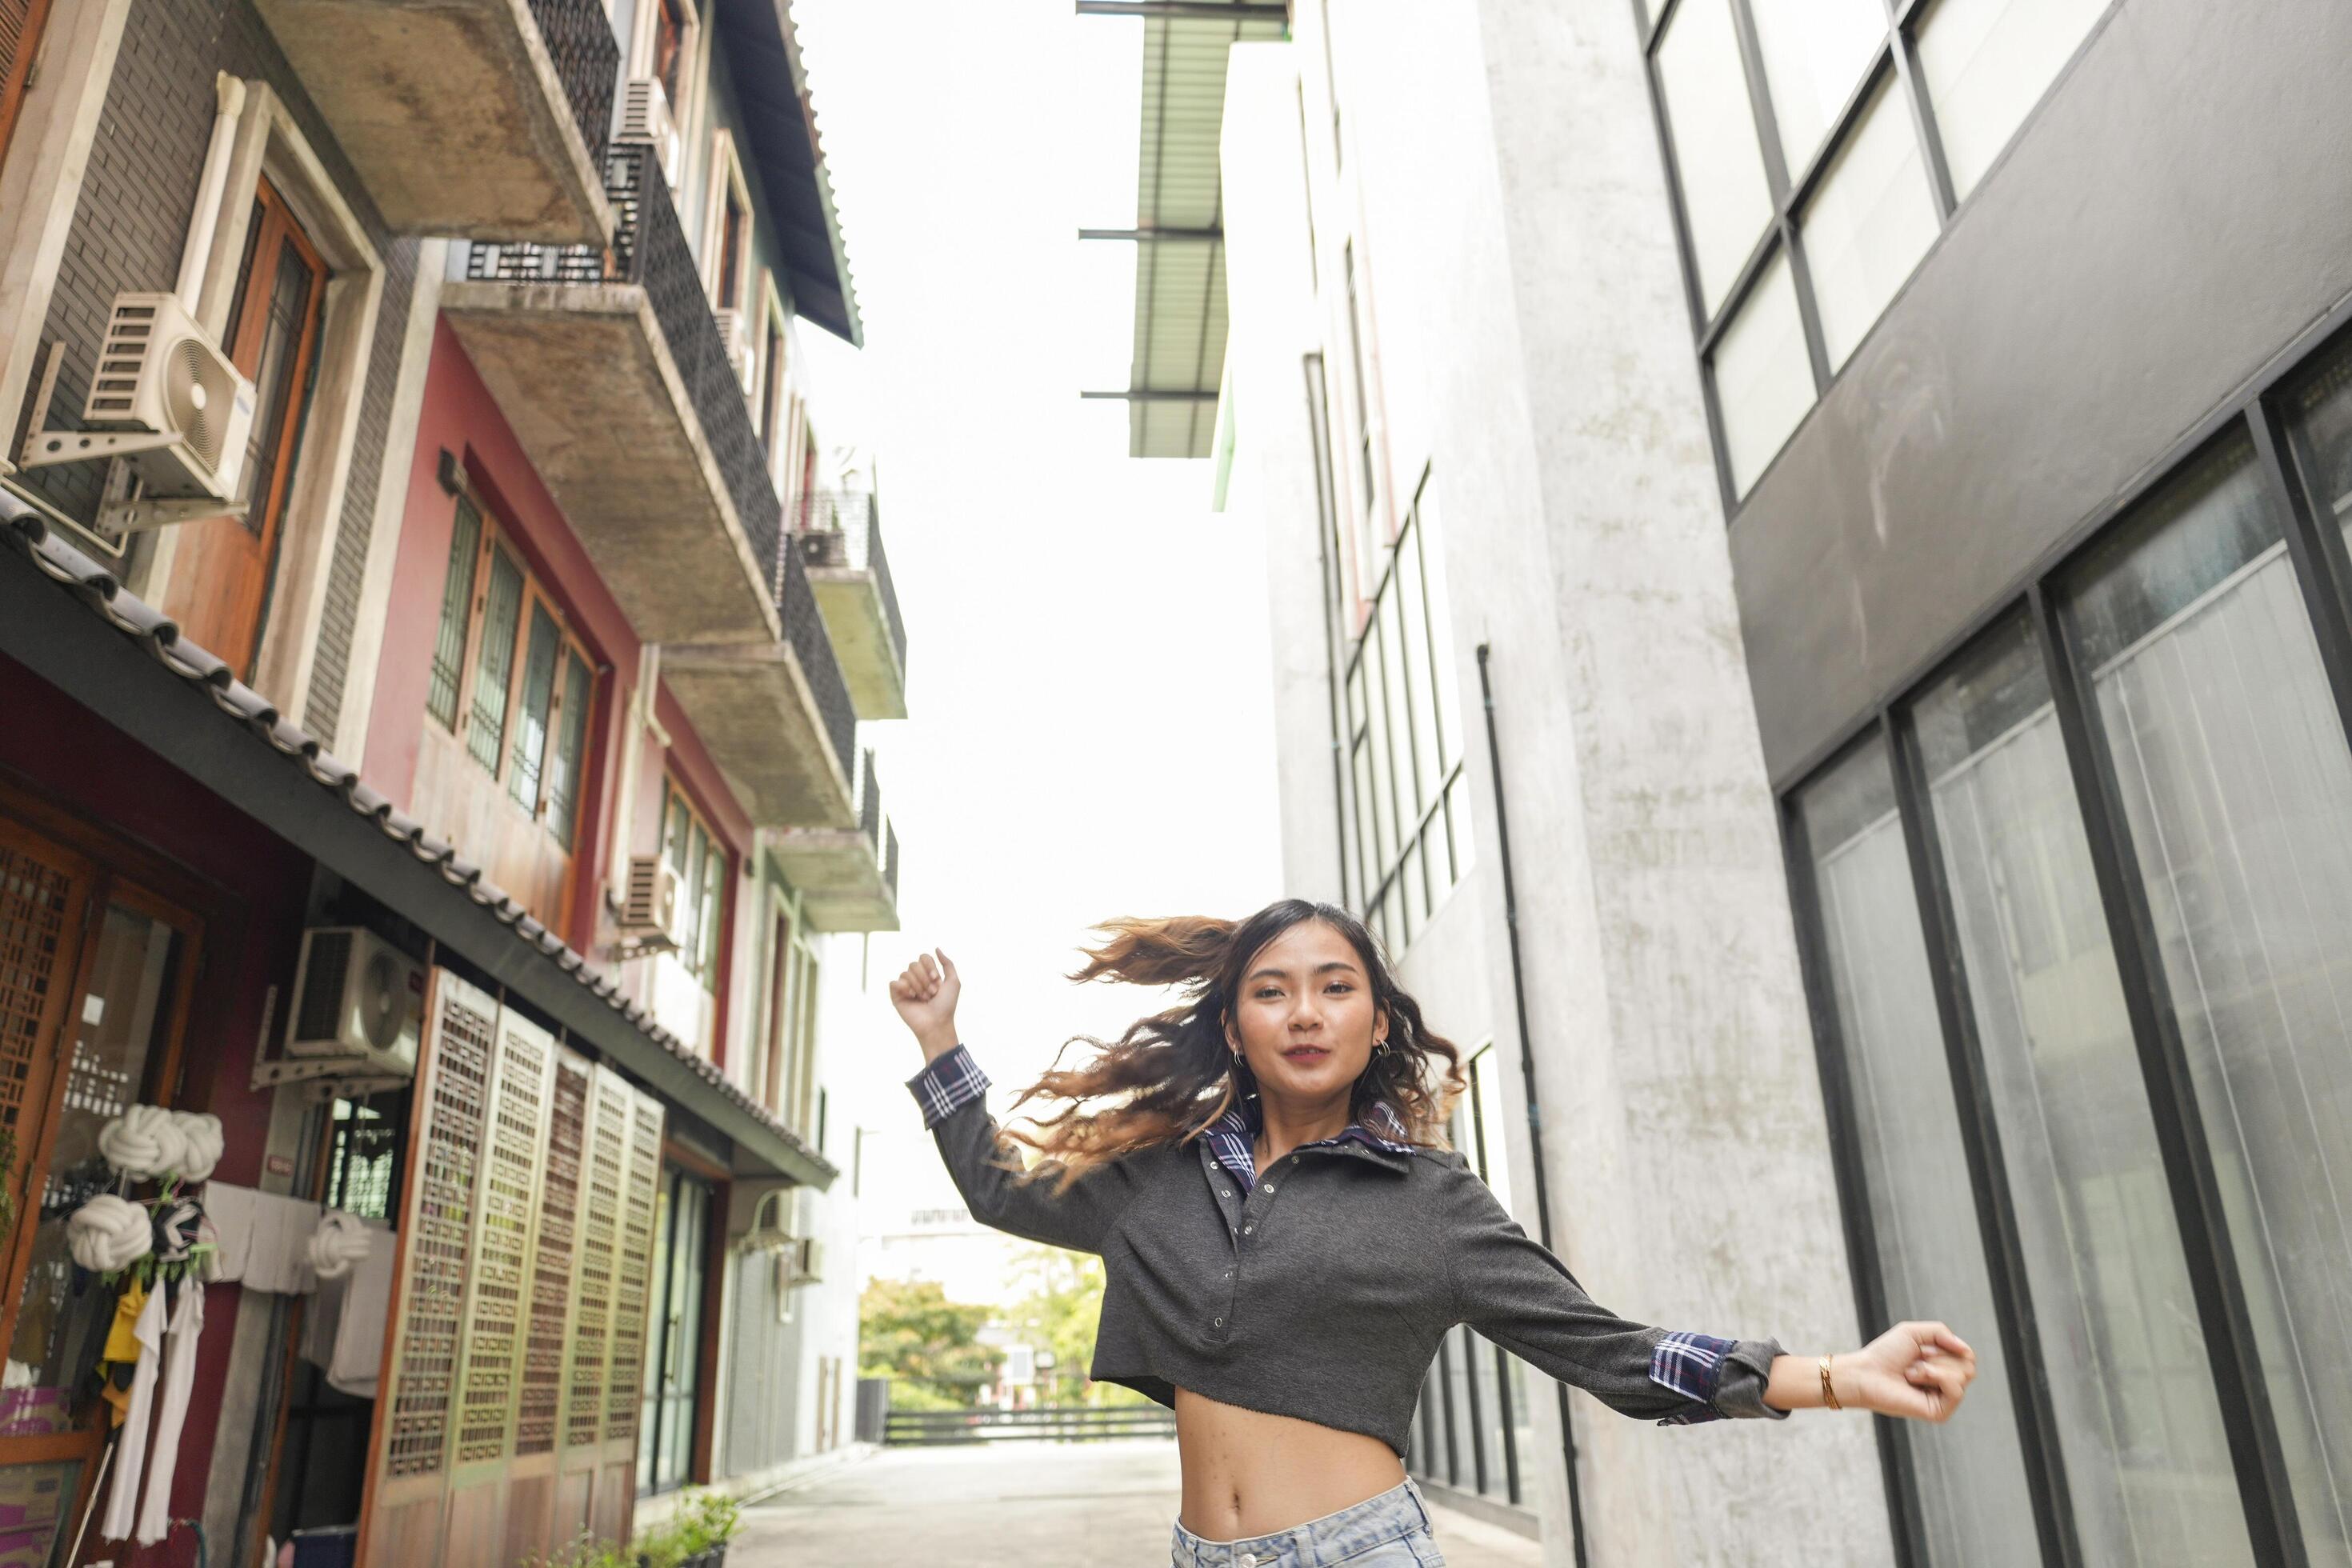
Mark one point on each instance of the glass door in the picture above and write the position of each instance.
(674, 1335)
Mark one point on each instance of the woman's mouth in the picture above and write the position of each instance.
(1305, 1053)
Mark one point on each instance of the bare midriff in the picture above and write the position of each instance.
(1248, 1473)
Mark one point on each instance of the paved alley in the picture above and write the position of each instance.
(1034, 1505)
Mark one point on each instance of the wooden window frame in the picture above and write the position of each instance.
(496, 536)
(710, 974)
(728, 186)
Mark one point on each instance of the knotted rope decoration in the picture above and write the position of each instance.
(338, 1243)
(176, 1230)
(201, 1131)
(109, 1233)
(144, 1142)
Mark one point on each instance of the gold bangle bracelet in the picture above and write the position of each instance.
(1829, 1395)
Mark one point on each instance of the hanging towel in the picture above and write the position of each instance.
(179, 1379)
(130, 1444)
(265, 1239)
(360, 1322)
(121, 1347)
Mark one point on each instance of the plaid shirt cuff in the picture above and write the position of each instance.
(1692, 1366)
(948, 1084)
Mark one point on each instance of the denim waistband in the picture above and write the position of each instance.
(1334, 1538)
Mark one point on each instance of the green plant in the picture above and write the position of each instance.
(707, 1518)
(584, 1550)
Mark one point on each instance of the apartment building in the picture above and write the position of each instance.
(432, 644)
(1811, 612)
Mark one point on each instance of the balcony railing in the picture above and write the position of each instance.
(805, 629)
(579, 38)
(649, 249)
(844, 529)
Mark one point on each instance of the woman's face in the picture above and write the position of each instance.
(1305, 1018)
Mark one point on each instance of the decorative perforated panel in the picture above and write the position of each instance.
(34, 901)
(553, 1253)
(424, 1359)
(632, 1272)
(501, 1250)
(604, 1172)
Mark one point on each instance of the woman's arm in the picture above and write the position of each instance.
(1515, 1293)
(952, 1090)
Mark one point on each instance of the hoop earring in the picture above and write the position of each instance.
(1235, 1066)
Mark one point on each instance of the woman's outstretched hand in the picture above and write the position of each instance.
(924, 994)
(1916, 1370)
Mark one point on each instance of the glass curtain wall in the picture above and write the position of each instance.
(1973, 1502)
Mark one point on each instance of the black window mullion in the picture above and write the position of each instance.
(1510, 1433)
(2004, 1246)
(2317, 544)
(1777, 179)
(1445, 1409)
(1914, 88)
(1804, 181)
(1478, 1415)
(1897, 1468)
(2214, 1282)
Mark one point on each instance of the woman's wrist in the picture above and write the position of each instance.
(936, 1043)
(1800, 1382)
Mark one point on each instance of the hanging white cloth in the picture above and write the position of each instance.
(130, 1443)
(359, 1326)
(263, 1239)
(179, 1379)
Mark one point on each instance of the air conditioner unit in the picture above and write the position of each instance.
(357, 998)
(649, 914)
(808, 1260)
(645, 117)
(735, 332)
(189, 409)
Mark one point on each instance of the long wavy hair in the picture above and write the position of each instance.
(1172, 1075)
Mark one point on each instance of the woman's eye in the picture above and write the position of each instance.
(1265, 991)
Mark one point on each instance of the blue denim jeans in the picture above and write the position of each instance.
(1390, 1530)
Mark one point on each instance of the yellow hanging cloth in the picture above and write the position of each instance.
(121, 1346)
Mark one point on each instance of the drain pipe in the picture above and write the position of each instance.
(1528, 1072)
(198, 252)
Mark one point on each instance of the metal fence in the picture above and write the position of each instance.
(1064, 1419)
(579, 38)
(843, 527)
(805, 629)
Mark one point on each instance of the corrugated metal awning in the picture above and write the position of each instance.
(1180, 264)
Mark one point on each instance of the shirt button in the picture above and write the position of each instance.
(1294, 1159)
(1269, 1186)
(1220, 1322)
(1229, 1273)
(1247, 1228)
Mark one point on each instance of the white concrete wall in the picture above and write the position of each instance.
(1527, 336)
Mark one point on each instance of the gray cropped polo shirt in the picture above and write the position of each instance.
(1322, 1291)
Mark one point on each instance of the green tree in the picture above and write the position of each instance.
(908, 1329)
(1059, 1314)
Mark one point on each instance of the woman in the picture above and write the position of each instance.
(1285, 1237)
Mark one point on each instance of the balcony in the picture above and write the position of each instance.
(610, 368)
(848, 878)
(775, 715)
(839, 535)
(467, 118)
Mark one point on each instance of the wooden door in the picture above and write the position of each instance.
(221, 573)
(603, 1174)
(96, 975)
(616, 1480)
(495, 1320)
(411, 1449)
(531, 1527)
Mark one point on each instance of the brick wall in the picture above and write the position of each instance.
(131, 224)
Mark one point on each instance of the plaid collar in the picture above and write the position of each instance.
(1232, 1137)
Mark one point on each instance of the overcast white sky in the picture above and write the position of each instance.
(1088, 665)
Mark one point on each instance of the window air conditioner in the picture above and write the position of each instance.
(357, 998)
(189, 412)
(645, 117)
(649, 914)
(808, 1260)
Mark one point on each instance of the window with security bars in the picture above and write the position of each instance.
(1406, 828)
(1818, 148)
(509, 678)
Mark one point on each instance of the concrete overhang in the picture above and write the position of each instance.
(850, 599)
(754, 707)
(457, 113)
(840, 877)
(586, 379)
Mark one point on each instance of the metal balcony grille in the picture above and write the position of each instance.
(844, 529)
(579, 38)
(805, 631)
(649, 249)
